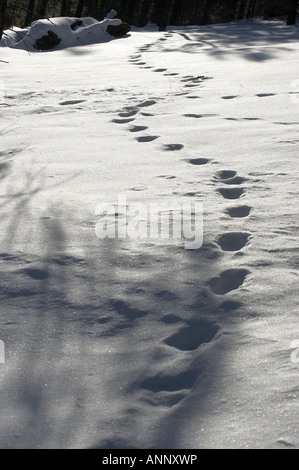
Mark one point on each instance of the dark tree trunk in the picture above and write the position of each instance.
(3, 5)
(177, 12)
(65, 8)
(130, 11)
(162, 13)
(92, 9)
(241, 10)
(29, 14)
(43, 8)
(143, 19)
(233, 9)
(79, 9)
(292, 15)
(251, 9)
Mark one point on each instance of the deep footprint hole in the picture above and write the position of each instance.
(229, 280)
(233, 241)
(199, 161)
(191, 337)
(239, 211)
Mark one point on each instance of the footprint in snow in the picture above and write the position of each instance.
(147, 103)
(229, 280)
(138, 128)
(124, 309)
(173, 147)
(230, 305)
(226, 174)
(264, 95)
(36, 273)
(192, 336)
(167, 177)
(238, 211)
(233, 241)
(127, 114)
(231, 193)
(199, 161)
(198, 116)
(122, 121)
(71, 102)
(147, 138)
(229, 97)
(234, 180)
(171, 383)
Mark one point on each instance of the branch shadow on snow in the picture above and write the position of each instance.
(97, 341)
(251, 40)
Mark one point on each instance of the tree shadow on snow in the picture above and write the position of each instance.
(253, 41)
(107, 341)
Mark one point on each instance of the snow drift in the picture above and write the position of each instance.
(62, 32)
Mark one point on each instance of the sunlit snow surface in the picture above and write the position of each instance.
(124, 343)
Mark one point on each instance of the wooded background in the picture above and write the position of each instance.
(141, 12)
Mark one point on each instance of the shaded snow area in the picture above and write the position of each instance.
(132, 342)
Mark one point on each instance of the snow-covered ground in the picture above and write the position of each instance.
(140, 343)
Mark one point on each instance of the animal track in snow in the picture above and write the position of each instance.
(264, 95)
(198, 116)
(127, 114)
(70, 102)
(199, 161)
(192, 336)
(36, 273)
(229, 280)
(147, 138)
(235, 180)
(138, 128)
(238, 211)
(173, 147)
(225, 174)
(147, 103)
(229, 305)
(167, 177)
(124, 309)
(231, 193)
(171, 383)
(229, 177)
(159, 70)
(122, 121)
(229, 97)
(233, 241)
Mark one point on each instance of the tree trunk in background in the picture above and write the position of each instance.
(130, 11)
(233, 9)
(251, 9)
(65, 8)
(177, 12)
(242, 10)
(144, 13)
(29, 14)
(292, 15)
(162, 13)
(79, 9)
(92, 9)
(3, 5)
(43, 8)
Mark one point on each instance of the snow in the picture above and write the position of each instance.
(140, 343)
(89, 32)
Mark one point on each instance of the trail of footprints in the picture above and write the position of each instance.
(231, 279)
(169, 389)
(166, 389)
